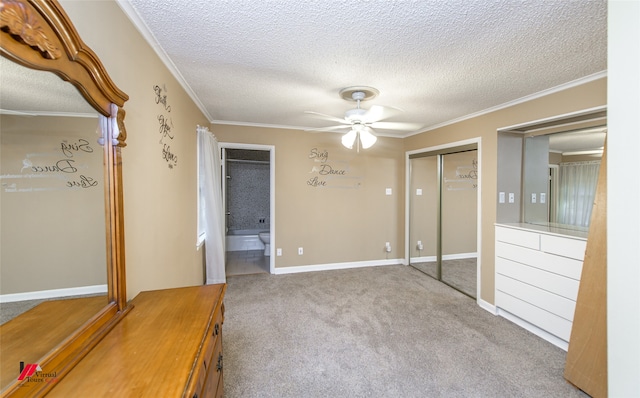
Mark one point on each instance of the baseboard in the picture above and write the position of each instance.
(457, 256)
(558, 342)
(335, 266)
(47, 294)
(487, 306)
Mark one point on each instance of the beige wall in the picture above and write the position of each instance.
(585, 96)
(333, 224)
(160, 202)
(348, 225)
(349, 219)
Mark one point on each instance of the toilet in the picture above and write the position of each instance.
(265, 237)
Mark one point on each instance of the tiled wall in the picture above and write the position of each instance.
(248, 195)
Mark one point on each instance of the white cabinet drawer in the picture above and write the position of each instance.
(573, 248)
(553, 324)
(559, 265)
(554, 283)
(558, 305)
(518, 237)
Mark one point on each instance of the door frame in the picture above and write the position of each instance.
(448, 146)
(272, 189)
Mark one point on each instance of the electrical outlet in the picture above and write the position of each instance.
(387, 247)
(300, 251)
(420, 246)
(512, 197)
(533, 198)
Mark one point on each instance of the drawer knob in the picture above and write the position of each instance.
(219, 366)
(216, 330)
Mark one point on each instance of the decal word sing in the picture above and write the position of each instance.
(323, 169)
(67, 165)
(165, 126)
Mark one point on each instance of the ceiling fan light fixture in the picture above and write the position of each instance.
(362, 122)
(349, 139)
(367, 139)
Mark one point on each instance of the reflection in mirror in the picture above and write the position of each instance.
(55, 334)
(423, 219)
(442, 194)
(560, 177)
(52, 207)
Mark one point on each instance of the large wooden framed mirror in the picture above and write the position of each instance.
(61, 195)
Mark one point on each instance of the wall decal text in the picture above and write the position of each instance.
(165, 126)
(71, 169)
(466, 178)
(334, 174)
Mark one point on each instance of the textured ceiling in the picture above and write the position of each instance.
(33, 92)
(253, 62)
(266, 62)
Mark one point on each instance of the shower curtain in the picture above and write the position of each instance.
(211, 212)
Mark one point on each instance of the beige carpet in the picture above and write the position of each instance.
(386, 331)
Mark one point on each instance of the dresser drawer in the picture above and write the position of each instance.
(554, 283)
(572, 248)
(213, 384)
(210, 370)
(518, 237)
(555, 304)
(545, 320)
(558, 265)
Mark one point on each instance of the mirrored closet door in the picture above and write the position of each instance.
(443, 216)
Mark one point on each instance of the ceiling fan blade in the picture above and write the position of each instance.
(378, 112)
(330, 128)
(326, 117)
(396, 126)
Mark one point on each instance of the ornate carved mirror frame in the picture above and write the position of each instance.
(38, 34)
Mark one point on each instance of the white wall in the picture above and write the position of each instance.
(623, 197)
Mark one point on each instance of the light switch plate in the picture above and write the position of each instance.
(388, 191)
(419, 191)
(501, 197)
(543, 197)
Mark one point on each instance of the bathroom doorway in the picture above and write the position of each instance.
(248, 195)
(443, 217)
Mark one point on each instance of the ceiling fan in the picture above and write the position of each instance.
(362, 122)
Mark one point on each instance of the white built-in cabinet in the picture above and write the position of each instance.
(537, 278)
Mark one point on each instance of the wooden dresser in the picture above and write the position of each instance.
(169, 345)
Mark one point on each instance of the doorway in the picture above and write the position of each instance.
(248, 195)
(443, 203)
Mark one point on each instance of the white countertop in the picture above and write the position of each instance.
(565, 231)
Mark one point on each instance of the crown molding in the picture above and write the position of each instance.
(144, 30)
(527, 98)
